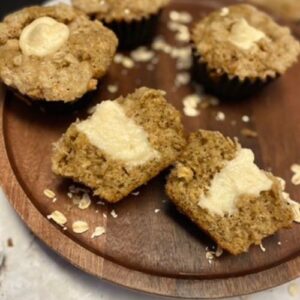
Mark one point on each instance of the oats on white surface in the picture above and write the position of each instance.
(246, 119)
(295, 168)
(142, 54)
(294, 290)
(85, 201)
(224, 12)
(180, 16)
(80, 226)
(98, 232)
(220, 116)
(263, 249)
(58, 217)
(113, 214)
(49, 193)
(112, 88)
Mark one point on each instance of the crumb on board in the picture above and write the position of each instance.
(112, 88)
(295, 168)
(49, 193)
(263, 249)
(113, 214)
(99, 231)
(220, 116)
(249, 133)
(212, 255)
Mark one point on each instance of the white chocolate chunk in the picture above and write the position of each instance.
(245, 36)
(43, 37)
(110, 130)
(239, 177)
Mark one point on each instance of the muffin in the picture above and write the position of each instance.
(286, 9)
(122, 145)
(54, 53)
(133, 21)
(239, 49)
(216, 183)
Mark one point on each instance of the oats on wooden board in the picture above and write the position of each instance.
(80, 226)
(249, 133)
(263, 249)
(142, 54)
(58, 217)
(85, 201)
(49, 194)
(295, 168)
(113, 214)
(112, 88)
(220, 116)
(100, 230)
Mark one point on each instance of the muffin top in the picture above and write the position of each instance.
(54, 53)
(120, 10)
(287, 9)
(244, 42)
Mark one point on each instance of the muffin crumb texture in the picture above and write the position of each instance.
(236, 214)
(114, 153)
(54, 53)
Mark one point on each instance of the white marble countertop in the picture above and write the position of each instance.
(30, 271)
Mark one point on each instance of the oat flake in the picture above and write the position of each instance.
(85, 202)
(295, 168)
(80, 226)
(48, 193)
(98, 232)
(58, 217)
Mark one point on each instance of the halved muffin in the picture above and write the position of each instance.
(54, 53)
(218, 186)
(122, 145)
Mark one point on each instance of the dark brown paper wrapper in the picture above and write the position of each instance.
(135, 33)
(222, 86)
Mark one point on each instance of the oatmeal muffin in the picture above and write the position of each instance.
(239, 49)
(218, 186)
(133, 21)
(54, 53)
(122, 145)
(287, 9)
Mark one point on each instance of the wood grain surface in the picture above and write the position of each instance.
(161, 253)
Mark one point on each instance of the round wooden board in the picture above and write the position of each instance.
(161, 253)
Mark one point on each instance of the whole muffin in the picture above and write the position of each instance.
(54, 53)
(239, 49)
(133, 21)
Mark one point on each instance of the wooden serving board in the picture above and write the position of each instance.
(161, 253)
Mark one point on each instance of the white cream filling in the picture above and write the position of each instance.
(244, 35)
(239, 177)
(110, 130)
(43, 37)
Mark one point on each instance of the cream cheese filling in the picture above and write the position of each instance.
(110, 130)
(239, 177)
(244, 36)
(43, 37)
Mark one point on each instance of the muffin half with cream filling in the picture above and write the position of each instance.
(218, 186)
(54, 53)
(122, 145)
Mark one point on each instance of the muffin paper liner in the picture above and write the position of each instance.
(135, 33)
(220, 85)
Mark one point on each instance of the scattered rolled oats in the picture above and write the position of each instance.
(191, 111)
(181, 17)
(48, 193)
(246, 119)
(85, 201)
(80, 226)
(295, 168)
(211, 255)
(220, 116)
(142, 54)
(182, 33)
(118, 58)
(192, 100)
(98, 232)
(182, 79)
(263, 249)
(249, 133)
(112, 88)
(128, 63)
(113, 214)
(58, 217)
